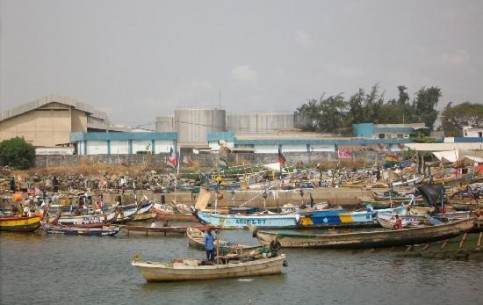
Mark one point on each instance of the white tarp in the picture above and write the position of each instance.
(458, 155)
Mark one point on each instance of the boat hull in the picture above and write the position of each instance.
(20, 224)
(243, 221)
(106, 231)
(368, 239)
(190, 270)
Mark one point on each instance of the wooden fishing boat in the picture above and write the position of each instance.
(344, 218)
(196, 240)
(463, 205)
(158, 230)
(196, 270)
(388, 221)
(392, 195)
(121, 214)
(409, 182)
(234, 221)
(166, 212)
(72, 230)
(79, 220)
(365, 239)
(20, 223)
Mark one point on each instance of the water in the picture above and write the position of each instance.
(49, 269)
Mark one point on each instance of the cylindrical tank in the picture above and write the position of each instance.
(193, 125)
(260, 122)
(165, 124)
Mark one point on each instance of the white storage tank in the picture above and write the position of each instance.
(260, 122)
(165, 123)
(193, 125)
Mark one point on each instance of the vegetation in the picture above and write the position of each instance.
(17, 153)
(336, 114)
(454, 118)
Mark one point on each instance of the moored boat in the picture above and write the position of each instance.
(20, 223)
(158, 230)
(166, 212)
(72, 230)
(344, 218)
(365, 239)
(263, 220)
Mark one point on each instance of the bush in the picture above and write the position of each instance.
(17, 153)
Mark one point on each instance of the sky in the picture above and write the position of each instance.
(136, 60)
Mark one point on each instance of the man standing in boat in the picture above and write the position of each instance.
(209, 241)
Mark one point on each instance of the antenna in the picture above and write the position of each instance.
(219, 98)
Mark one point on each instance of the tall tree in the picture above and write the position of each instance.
(326, 114)
(426, 100)
(17, 153)
(453, 119)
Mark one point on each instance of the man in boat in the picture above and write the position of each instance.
(209, 241)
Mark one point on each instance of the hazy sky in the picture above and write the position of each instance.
(139, 59)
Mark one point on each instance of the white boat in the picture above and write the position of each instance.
(238, 221)
(194, 269)
(413, 181)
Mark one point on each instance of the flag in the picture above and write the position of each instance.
(186, 160)
(281, 158)
(222, 162)
(172, 159)
(391, 157)
(343, 153)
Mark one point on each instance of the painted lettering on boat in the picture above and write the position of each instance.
(251, 221)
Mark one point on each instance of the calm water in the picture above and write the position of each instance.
(48, 269)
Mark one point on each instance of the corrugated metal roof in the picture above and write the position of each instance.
(52, 99)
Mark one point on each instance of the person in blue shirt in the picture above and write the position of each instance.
(209, 245)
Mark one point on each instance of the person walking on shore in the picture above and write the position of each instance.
(12, 184)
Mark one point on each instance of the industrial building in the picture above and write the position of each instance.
(123, 143)
(56, 121)
(49, 121)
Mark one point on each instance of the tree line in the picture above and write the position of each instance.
(336, 114)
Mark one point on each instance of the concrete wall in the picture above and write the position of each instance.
(206, 160)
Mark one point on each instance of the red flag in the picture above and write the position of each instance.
(344, 153)
(172, 159)
(281, 158)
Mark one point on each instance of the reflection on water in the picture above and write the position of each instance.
(40, 269)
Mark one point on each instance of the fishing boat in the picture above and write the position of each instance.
(196, 240)
(263, 219)
(388, 221)
(20, 223)
(158, 230)
(365, 239)
(235, 221)
(78, 220)
(72, 230)
(344, 218)
(167, 212)
(121, 214)
(416, 179)
(196, 270)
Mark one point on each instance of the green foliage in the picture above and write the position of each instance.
(335, 114)
(326, 114)
(426, 100)
(17, 153)
(408, 154)
(453, 119)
